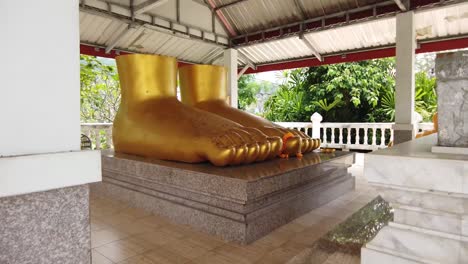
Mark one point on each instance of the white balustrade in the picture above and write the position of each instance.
(100, 134)
(373, 135)
(349, 134)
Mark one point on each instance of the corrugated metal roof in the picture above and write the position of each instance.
(432, 24)
(100, 28)
(254, 15)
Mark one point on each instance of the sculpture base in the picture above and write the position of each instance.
(429, 195)
(46, 227)
(450, 150)
(239, 203)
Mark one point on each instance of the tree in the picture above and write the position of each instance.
(99, 90)
(346, 92)
(247, 89)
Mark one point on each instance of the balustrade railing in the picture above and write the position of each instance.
(362, 136)
(100, 134)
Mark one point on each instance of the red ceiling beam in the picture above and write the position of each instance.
(360, 56)
(101, 52)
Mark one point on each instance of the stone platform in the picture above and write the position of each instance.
(429, 194)
(238, 203)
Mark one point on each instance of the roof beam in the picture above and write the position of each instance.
(432, 45)
(375, 11)
(313, 24)
(246, 67)
(119, 37)
(153, 22)
(222, 19)
(311, 47)
(249, 62)
(148, 5)
(403, 4)
(212, 56)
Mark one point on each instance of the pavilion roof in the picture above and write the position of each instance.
(265, 32)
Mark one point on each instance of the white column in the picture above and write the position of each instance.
(405, 59)
(230, 62)
(40, 98)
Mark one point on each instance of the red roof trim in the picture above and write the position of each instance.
(360, 56)
(100, 52)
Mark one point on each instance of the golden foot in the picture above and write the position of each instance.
(203, 87)
(151, 122)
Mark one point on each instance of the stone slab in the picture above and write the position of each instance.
(414, 165)
(372, 256)
(240, 203)
(46, 227)
(431, 219)
(420, 244)
(450, 150)
(429, 192)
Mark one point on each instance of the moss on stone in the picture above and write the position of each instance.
(350, 235)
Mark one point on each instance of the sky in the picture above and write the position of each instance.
(271, 76)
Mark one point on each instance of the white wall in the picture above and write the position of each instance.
(39, 76)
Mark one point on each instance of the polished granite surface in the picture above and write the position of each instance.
(249, 172)
(418, 148)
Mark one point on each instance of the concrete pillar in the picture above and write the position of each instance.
(452, 98)
(230, 62)
(41, 165)
(404, 93)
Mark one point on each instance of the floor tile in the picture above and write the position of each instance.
(213, 257)
(160, 236)
(187, 248)
(164, 256)
(97, 225)
(105, 236)
(282, 254)
(123, 249)
(239, 254)
(97, 258)
(140, 259)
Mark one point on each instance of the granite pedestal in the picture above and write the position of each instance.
(238, 203)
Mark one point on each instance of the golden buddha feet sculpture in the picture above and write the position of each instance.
(151, 122)
(204, 87)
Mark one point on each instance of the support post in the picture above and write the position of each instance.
(404, 92)
(230, 62)
(43, 174)
(316, 119)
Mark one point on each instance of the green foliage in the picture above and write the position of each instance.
(247, 90)
(353, 88)
(426, 96)
(252, 92)
(289, 103)
(348, 92)
(388, 104)
(99, 90)
(327, 107)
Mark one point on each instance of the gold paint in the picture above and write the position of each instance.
(151, 122)
(435, 121)
(204, 87)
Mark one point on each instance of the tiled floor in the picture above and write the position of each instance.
(120, 234)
